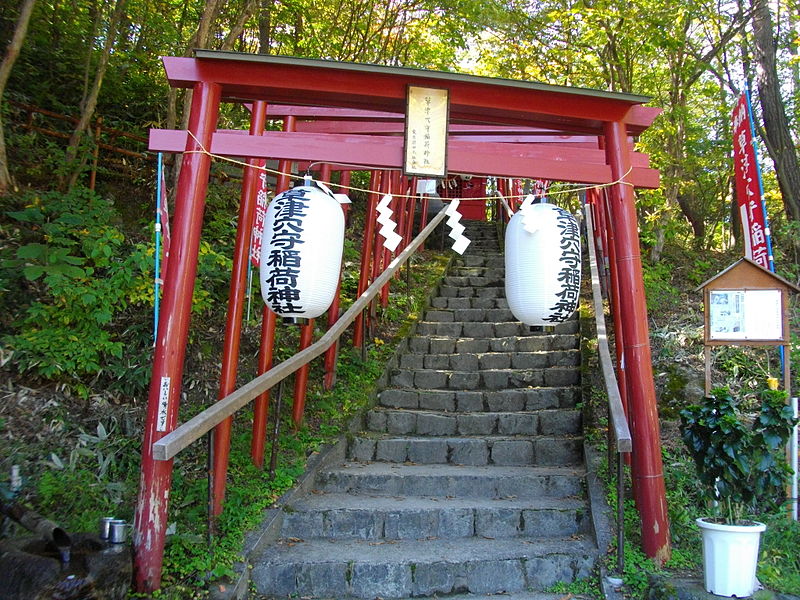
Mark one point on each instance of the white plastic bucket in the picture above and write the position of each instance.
(730, 557)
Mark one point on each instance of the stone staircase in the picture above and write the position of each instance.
(469, 479)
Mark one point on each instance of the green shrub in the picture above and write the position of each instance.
(661, 294)
(75, 275)
(93, 481)
(742, 467)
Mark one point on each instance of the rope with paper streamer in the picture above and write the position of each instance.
(241, 163)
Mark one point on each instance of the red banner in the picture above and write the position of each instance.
(258, 220)
(748, 187)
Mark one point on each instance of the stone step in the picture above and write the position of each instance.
(482, 248)
(487, 259)
(489, 272)
(495, 379)
(477, 281)
(461, 329)
(427, 423)
(451, 291)
(464, 401)
(467, 361)
(342, 516)
(428, 344)
(444, 302)
(396, 569)
(493, 482)
(507, 451)
(469, 315)
(488, 239)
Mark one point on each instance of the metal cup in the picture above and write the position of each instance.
(105, 527)
(118, 532)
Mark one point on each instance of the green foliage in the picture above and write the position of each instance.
(94, 481)
(637, 565)
(585, 587)
(779, 564)
(188, 559)
(661, 294)
(743, 468)
(73, 275)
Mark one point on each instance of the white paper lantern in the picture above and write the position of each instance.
(543, 264)
(301, 252)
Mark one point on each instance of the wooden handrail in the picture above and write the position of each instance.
(619, 429)
(619, 423)
(183, 436)
(505, 204)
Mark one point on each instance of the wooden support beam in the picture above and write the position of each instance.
(580, 165)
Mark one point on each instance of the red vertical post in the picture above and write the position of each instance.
(598, 215)
(344, 181)
(261, 403)
(301, 378)
(401, 216)
(408, 200)
(393, 181)
(411, 208)
(377, 248)
(265, 351)
(423, 216)
(329, 378)
(268, 322)
(423, 210)
(612, 293)
(221, 437)
(344, 184)
(165, 383)
(502, 187)
(648, 470)
(366, 254)
(619, 334)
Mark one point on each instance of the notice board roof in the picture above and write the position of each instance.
(745, 273)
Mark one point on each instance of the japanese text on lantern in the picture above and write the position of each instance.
(748, 189)
(426, 132)
(569, 277)
(284, 256)
(262, 200)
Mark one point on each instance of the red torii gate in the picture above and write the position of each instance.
(499, 127)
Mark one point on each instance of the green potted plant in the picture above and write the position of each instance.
(743, 472)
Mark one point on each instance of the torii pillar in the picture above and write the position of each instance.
(173, 327)
(647, 465)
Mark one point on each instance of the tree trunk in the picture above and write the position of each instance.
(237, 29)
(776, 126)
(96, 16)
(265, 27)
(695, 219)
(12, 52)
(199, 40)
(88, 109)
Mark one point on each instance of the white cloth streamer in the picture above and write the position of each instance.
(460, 241)
(391, 239)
